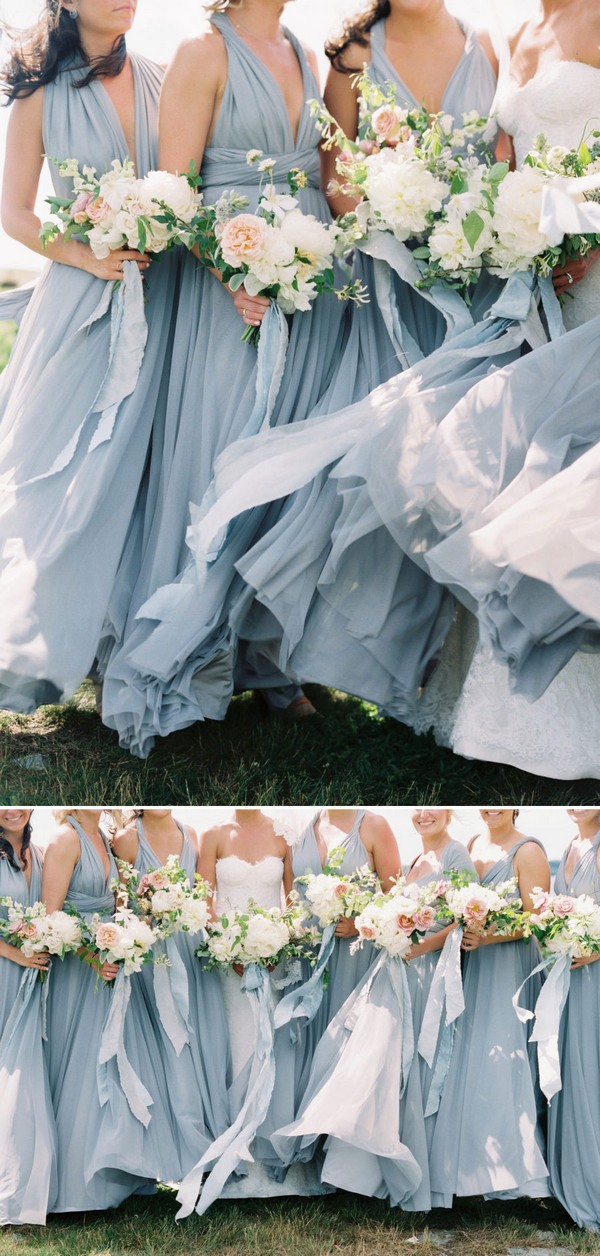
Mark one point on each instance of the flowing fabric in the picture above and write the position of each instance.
(179, 659)
(77, 403)
(487, 1138)
(573, 1126)
(185, 1006)
(28, 1175)
(364, 1095)
(109, 1089)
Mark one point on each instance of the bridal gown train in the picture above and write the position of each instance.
(77, 404)
(574, 1113)
(28, 1174)
(239, 883)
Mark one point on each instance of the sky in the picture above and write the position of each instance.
(551, 825)
(312, 20)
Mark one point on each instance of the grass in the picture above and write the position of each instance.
(350, 757)
(341, 1225)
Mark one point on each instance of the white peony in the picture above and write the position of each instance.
(402, 193)
(310, 237)
(265, 938)
(516, 222)
(172, 189)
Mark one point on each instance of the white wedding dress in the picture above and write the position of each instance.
(238, 884)
(468, 701)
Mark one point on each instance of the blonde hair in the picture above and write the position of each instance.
(221, 6)
(61, 814)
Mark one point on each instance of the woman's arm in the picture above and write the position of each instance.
(22, 169)
(383, 848)
(532, 870)
(125, 844)
(60, 859)
(41, 960)
(288, 873)
(192, 90)
(341, 100)
(207, 863)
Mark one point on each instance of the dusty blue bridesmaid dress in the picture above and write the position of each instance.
(353, 611)
(185, 1005)
(179, 660)
(420, 973)
(487, 1138)
(574, 1113)
(28, 1181)
(77, 402)
(113, 1122)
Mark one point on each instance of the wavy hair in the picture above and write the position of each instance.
(355, 31)
(7, 850)
(38, 55)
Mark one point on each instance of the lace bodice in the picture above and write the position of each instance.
(239, 881)
(561, 102)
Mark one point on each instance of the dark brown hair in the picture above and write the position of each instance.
(355, 31)
(38, 54)
(7, 850)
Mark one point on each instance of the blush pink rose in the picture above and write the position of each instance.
(98, 210)
(157, 880)
(367, 932)
(80, 207)
(242, 239)
(106, 936)
(405, 923)
(475, 912)
(424, 918)
(387, 123)
(342, 889)
(563, 905)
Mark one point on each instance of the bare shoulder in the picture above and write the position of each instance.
(531, 852)
(311, 57)
(203, 55)
(27, 112)
(124, 838)
(63, 841)
(192, 836)
(375, 828)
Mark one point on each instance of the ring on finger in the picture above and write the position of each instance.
(569, 277)
(245, 312)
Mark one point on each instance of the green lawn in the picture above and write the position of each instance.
(350, 757)
(341, 1225)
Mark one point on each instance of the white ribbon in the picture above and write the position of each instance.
(547, 1015)
(112, 1047)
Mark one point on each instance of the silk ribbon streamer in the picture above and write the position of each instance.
(15, 302)
(272, 352)
(225, 1154)
(171, 989)
(561, 215)
(446, 990)
(124, 304)
(112, 1047)
(306, 1000)
(392, 256)
(547, 1015)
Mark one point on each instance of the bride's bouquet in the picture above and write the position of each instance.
(396, 921)
(565, 924)
(421, 177)
(481, 907)
(278, 252)
(332, 895)
(164, 898)
(262, 936)
(117, 210)
(33, 930)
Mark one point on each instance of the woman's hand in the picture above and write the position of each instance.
(111, 267)
(251, 309)
(584, 959)
(39, 961)
(471, 939)
(346, 928)
(107, 971)
(563, 277)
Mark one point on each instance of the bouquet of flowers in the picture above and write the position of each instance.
(278, 252)
(116, 210)
(332, 895)
(396, 921)
(166, 900)
(482, 908)
(123, 939)
(258, 936)
(566, 925)
(519, 242)
(32, 929)
(420, 177)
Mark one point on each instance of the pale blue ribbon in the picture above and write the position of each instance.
(391, 255)
(547, 1016)
(14, 303)
(171, 989)
(446, 991)
(112, 1047)
(272, 352)
(225, 1154)
(128, 334)
(394, 968)
(305, 1000)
